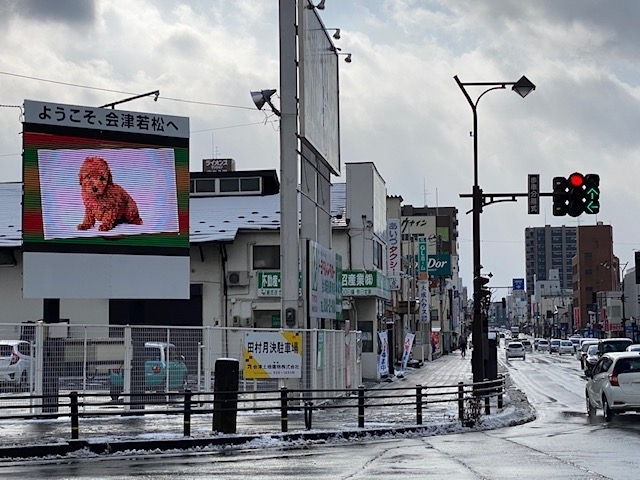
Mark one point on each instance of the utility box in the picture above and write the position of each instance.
(491, 370)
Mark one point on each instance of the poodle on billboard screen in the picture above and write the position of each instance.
(113, 192)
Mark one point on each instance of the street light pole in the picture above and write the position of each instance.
(480, 327)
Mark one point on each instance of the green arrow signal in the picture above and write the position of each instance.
(592, 207)
(593, 193)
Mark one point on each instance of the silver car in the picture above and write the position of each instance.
(515, 350)
(566, 346)
(543, 345)
(614, 384)
(15, 363)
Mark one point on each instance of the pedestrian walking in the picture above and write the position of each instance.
(462, 344)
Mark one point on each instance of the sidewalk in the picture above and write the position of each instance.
(102, 434)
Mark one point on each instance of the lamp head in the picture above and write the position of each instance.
(264, 96)
(523, 87)
(261, 97)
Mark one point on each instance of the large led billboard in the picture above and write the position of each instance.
(105, 203)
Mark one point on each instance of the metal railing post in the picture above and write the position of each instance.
(500, 390)
(361, 406)
(419, 404)
(73, 398)
(308, 411)
(187, 413)
(461, 401)
(284, 420)
(487, 398)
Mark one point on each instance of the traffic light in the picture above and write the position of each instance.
(576, 195)
(559, 196)
(592, 193)
(484, 294)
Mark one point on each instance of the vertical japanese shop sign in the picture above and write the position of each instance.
(322, 281)
(423, 267)
(423, 296)
(393, 246)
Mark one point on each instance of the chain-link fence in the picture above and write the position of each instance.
(45, 360)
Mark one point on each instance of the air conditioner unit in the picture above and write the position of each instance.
(236, 320)
(238, 279)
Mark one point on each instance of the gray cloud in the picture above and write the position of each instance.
(61, 11)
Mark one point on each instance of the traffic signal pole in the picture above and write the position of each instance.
(480, 330)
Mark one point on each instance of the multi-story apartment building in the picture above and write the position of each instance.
(595, 276)
(549, 248)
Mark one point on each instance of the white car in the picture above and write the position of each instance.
(15, 363)
(566, 346)
(515, 350)
(614, 384)
(584, 346)
(543, 345)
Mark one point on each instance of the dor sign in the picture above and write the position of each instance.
(439, 265)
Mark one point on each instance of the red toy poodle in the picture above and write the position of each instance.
(104, 200)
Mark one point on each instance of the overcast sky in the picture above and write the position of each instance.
(400, 106)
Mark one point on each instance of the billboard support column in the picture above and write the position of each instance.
(52, 355)
(289, 233)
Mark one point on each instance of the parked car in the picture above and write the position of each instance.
(614, 384)
(554, 345)
(543, 345)
(515, 350)
(582, 351)
(162, 365)
(15, 363)
(528, 346)
(575, 339)
(591, 358)
(565, 347)
(607, 345)
(633, 348)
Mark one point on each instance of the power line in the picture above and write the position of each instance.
(76, 85)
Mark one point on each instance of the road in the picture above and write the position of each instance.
(562, 443)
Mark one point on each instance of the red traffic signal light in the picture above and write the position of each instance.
(576, 180)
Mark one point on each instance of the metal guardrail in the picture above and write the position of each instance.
(473, 400)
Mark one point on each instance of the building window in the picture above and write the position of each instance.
(367, 336)
(377, 254)
(202, 185)
(266, 257)
(229, 185)
(250, 184)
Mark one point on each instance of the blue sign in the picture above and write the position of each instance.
(518, 284)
